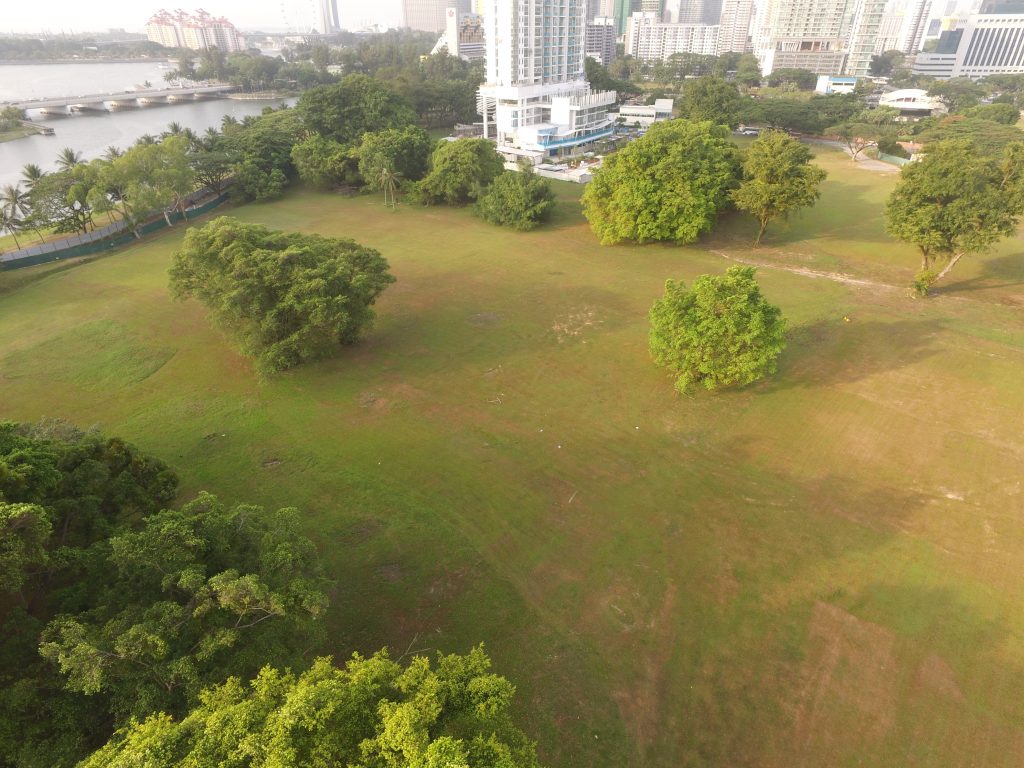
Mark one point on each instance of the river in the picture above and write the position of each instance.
(92, 134)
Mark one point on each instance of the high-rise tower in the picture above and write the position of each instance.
(329, 20)
(536, 101)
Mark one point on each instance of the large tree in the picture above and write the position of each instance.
(191, 596)
(460, 171)
(324, 163)
(778, 178)
(406, 151)
(518, 199)
(712, 99)
(288, 297)
(357, 105)
(721, 332)
(668, 185)
(371, 713)
(63, 494)
(955, 202)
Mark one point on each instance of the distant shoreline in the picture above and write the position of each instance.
(32, 62)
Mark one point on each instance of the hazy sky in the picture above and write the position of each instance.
(78, 16)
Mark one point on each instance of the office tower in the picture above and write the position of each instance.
(623, 10)
(424, 15)
(914, 23)
(649, 39)
(600, 40)
(990, 42)
(734, 26)
(806, 34)
(863, 36)
(463, 36)
(657, 7)
(329, 21)
(536, 101)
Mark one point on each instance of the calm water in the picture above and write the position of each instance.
(92, 134)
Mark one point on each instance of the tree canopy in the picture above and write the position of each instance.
(669, 185)
(371, 713)
(956, 201)
(712, 99)
(518, 199)
(460, 171)
(721, 332)
(778, 178)
(63, 494)
(288, 297)
(358, 104)
(405, 151)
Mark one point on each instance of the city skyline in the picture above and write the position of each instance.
(131, 16)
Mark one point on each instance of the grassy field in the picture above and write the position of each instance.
(822, 570)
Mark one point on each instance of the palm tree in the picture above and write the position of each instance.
(228, 121)
(388, 180)
(112, 153)
(9, 223)
(68, 159)
(31, 173)
(15, 204)
(173, 129)
(145, 140)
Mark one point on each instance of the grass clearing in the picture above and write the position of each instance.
(820, 570)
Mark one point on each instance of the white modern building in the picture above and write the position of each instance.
(199, 31)
(649, 39)
(913, 103)
(865, 29)
(645, 115)
(803, 34)
(990, 42)
(734, 26)
(536, 102)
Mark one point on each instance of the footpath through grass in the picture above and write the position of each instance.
(821, 570)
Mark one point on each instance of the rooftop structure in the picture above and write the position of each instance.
(912, 102)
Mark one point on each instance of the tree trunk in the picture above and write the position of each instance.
(16, 243)
(167, 219)
(760, 232)
(946, 269)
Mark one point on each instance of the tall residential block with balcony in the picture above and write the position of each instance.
(536, 102)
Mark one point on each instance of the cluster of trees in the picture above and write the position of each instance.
(249, 69)
(671, 184)
(68, 46)
(128, 628)
(286, 296)
(10, 118)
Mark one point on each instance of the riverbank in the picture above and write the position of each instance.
(25, 130)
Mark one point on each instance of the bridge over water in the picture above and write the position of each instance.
(104, 102)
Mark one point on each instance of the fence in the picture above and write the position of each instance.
(103, 239)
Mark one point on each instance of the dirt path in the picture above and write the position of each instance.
(838, 277)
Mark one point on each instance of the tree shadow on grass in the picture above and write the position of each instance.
(1002, 272)
(829, 352)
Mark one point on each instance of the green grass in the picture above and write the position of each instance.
(824, 569)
